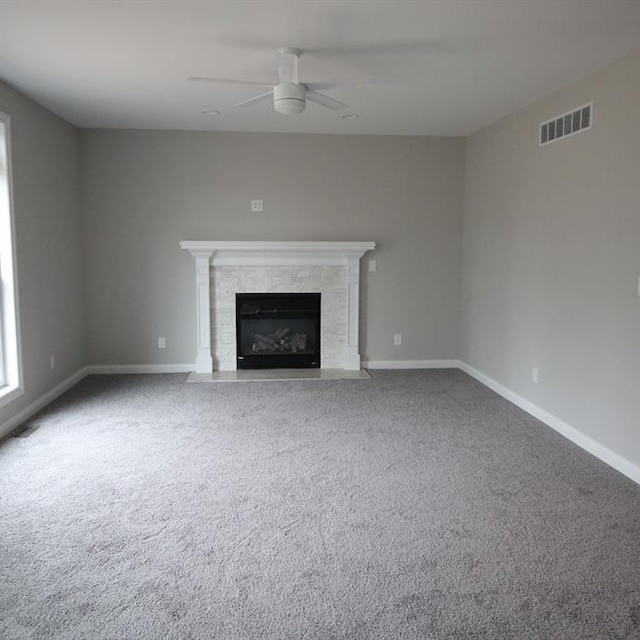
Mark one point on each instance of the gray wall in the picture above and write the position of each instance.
(45, 158)
(552, 259)
(145, 191)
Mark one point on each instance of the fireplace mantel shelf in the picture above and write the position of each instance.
(230, 252)
(212, 253)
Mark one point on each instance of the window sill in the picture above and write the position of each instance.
(9, 393)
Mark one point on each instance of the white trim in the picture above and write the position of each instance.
(411, 364)
(30, 410)
(351, 359)
(97, 369)
(10, 326)
(9, 394)
(233, 252)
(204, 357)
(615, 460)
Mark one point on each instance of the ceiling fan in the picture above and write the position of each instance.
(289, 95)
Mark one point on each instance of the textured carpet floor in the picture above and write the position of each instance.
(413, 505)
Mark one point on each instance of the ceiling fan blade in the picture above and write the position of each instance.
(326, 101)
(255, 99)
(359, 84)
(229, 81)
(287, 61)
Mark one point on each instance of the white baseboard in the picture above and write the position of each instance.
(139, 368)
(615, 460)
(22, 416)
(411, 364)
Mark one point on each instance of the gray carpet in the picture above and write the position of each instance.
(417, 504)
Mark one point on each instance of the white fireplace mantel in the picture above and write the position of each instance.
(264, 253)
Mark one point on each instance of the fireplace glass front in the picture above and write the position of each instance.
(277, 330)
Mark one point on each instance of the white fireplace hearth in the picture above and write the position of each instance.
(224, 268)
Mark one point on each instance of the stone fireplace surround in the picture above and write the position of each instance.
(226, 267)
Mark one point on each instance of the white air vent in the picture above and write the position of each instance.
(567, 124)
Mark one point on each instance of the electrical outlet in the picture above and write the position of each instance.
(257, 205)
(52, 361)
(534, 375)
(372, 265)
(162, 342)
(397, 339)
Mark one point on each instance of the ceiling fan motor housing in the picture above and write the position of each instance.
(289, 98)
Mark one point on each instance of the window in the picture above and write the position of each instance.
(10, 368)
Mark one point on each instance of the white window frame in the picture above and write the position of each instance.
(11, 384)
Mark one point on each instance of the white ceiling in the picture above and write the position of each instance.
(451, 66)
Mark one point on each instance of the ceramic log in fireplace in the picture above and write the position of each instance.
(278, 330)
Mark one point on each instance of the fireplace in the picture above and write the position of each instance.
(224, 267)
(277, 330)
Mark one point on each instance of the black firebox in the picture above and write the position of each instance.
(278, 330)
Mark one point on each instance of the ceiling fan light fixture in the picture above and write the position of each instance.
(289, 98)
